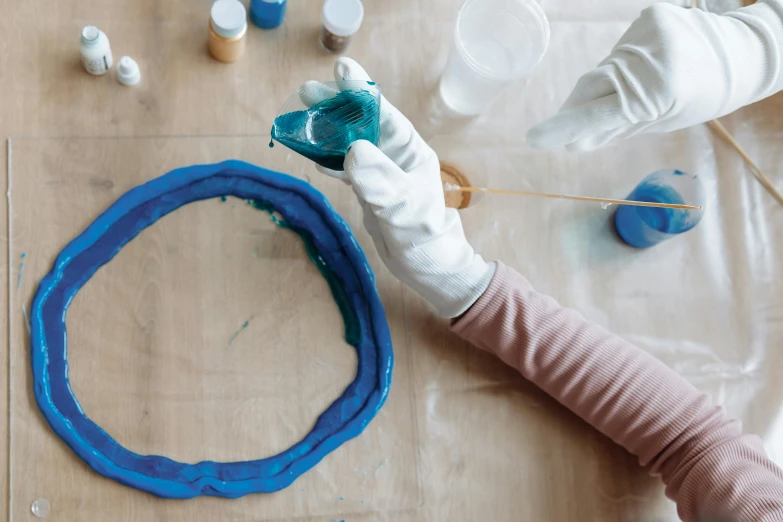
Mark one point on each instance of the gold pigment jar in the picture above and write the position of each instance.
(227, 28)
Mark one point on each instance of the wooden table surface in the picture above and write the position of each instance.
(159, 358)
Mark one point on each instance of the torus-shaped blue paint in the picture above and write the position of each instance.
(332, 247)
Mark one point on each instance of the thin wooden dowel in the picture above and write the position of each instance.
(754, 169)
(576, 198)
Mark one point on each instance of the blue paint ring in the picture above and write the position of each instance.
(302, 207)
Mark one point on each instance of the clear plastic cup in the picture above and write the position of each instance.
(321, 119)
(643, 227)
(495, 43)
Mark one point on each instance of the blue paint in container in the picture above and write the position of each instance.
(643, 227)
(267, 14)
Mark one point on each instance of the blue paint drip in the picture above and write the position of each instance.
(304, 210)
(643, 227)
(267, 14)
(234, 336)
(21, 271)
(324, 132)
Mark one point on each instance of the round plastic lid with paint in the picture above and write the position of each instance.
(343, 17)
(229, 18)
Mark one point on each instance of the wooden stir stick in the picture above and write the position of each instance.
(754, 169)
(603, 201)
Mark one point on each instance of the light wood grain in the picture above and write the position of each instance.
(462, 436)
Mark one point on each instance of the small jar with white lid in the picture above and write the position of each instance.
(341, 19)
(95, 50)
(227, 29)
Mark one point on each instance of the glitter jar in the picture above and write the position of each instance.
(227, 28)
(341, 19)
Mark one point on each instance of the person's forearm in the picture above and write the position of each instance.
(710, 469)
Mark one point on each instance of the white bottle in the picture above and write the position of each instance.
(96, 53)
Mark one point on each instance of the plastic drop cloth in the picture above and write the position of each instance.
(159, 357)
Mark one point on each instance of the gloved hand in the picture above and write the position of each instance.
(399, 188)
(673, 68)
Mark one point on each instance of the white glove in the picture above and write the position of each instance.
(673, 68)
(399, 187)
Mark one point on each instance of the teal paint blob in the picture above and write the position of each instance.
(324, 132)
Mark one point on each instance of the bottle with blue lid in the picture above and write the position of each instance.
(267, 14)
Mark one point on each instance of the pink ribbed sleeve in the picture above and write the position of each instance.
(711, 470)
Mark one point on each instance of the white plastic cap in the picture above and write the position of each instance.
(343, 17)
(229, 18)
(90, 34)
(128, 72)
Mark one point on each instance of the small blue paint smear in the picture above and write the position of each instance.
(244, 325)
(223, 198)
(21, 270)
(679, 173)
(380, 466)
(342, 498)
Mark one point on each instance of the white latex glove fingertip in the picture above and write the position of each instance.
(347, 69)
(313, 92)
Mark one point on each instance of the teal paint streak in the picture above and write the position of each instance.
(350, 320)
(244, 325)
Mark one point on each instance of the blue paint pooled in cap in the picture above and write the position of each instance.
(643, 227)
(331, 246)
(324, 132)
